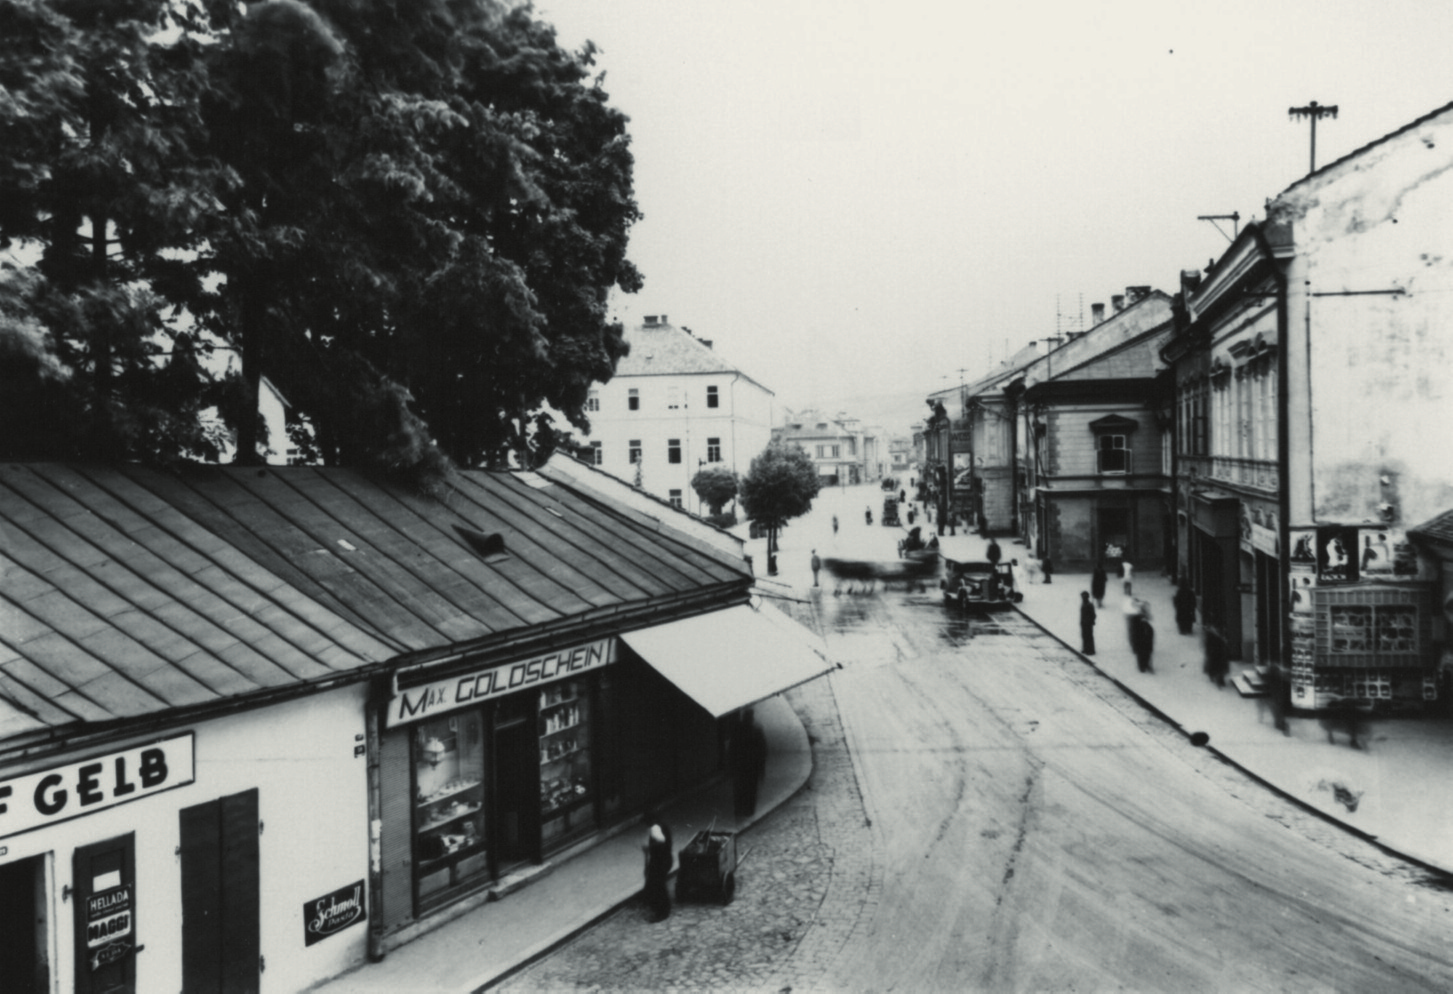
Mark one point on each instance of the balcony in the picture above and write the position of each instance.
(1259, 474)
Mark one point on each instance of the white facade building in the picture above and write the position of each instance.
(673, 408)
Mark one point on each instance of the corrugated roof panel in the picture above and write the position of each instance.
(531, 593)
(35, 706)
(116, 695)
(82, 707)
(144, 668)
(566, 544)
(16, 626)
(454, 572)
(62, 614)
(300, 667)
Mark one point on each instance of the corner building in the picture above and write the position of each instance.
(261, 726)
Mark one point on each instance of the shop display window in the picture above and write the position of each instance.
(449, 835)
(566, 785)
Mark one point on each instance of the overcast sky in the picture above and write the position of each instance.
(856, 199)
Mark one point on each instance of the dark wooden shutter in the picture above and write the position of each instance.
(396, 789)
(221, 944)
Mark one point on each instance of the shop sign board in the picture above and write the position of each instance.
(58, 794)
(332, 913)
(415, 703)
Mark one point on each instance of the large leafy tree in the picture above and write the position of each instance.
(101, 183)
(779, 486)
(409, 216)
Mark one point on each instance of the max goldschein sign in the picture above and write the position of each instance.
(332, 913)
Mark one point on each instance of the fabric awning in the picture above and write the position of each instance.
(732, 658)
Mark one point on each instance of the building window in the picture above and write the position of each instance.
(673, 398)
(827, 451)
(712, 400)
(673, 450)
(1114, 456)
(592, 401)
(674, 497)
(597, 457)
(635, 450)
(713, 450)
(633, 399)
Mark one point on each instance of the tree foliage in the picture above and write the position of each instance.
(715, 485)
(779, 486)
(408, 216)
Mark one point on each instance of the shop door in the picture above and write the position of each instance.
(1114, 526)
(517, 786)
(23, 965)
(104, 895)
(220, 942)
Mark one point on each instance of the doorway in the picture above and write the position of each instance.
(24, 955)
(221, 947)
(104, 896)
(517, 788)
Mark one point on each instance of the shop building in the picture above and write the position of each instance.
(258, 726)
(1312, 381)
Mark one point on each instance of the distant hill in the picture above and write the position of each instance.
(896, 412)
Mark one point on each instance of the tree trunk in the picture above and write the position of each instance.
(252, 311)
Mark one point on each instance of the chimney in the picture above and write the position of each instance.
(651, 320)
(1135, 294)
(1118, 302)
(1190, 280)
(705, 341)
(1097, 314)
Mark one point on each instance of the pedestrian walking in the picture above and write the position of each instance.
(1278, 697)
(816, 565)
(834, 524)
(1344, 714)
(1142, 642)
(1087, 624)
(868, 515)
(994, 553)
(658, 867)
(1098, 580)
(902, 496)
(1018, 576)
(1185, 605)
(1130, 608)
(1217, 662)
(1127, 571)
(1047, 567)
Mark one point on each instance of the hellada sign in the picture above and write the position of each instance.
(471, 688)
(63, 792)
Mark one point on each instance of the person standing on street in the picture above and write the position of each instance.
(1217, 662)
(834, 524)
(1185, 605)
(816, 565)
(1048, 568)
(1098, 579)
(658, 867)
(993, 553)
(1142, 641)
(1087, 624)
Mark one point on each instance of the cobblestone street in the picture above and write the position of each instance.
(807, 879)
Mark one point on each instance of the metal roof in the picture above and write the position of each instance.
(127, 592)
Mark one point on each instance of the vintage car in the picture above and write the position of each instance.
(975, 584)
(890, 511)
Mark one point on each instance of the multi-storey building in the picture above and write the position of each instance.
(1313, 385)
(836, 443)
(1091, 434)
(673, 408)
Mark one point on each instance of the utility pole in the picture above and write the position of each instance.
(1314, 112)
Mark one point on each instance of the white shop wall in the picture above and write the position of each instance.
(313, 806)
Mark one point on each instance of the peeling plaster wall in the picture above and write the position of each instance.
(1380, 365)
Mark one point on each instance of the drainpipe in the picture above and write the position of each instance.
(1283, 443)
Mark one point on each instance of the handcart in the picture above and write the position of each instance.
(708, 866)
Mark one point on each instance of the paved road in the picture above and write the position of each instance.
(986, 813)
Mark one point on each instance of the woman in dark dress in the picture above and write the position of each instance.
(1185, 605)
(658, 868)
(1097, 585)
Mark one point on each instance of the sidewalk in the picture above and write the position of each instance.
(484, 944)
(1403, 779)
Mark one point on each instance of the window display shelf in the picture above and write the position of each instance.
(449, 817)
(562, 728)
(447, 791)
(451, 856)
(548, 761)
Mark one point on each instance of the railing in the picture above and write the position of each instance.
(1258, 473)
